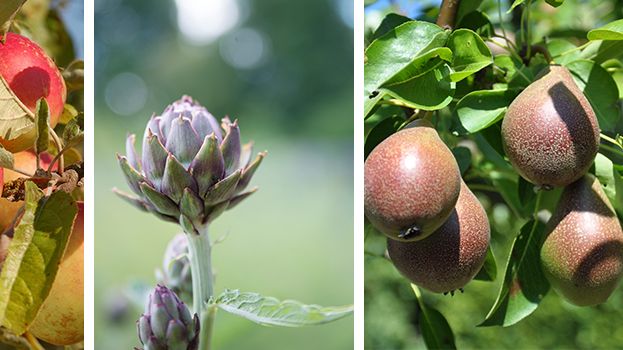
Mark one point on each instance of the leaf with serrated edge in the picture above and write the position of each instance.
(272, 312)
(6, 158)
(15, 118)
(34, 255)
(8, 10)
(524, 284)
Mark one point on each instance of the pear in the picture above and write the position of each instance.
(582, 256)
(453, 255)
(550, 133)
(412, 183)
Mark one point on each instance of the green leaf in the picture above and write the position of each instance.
(380, 132)
(369, 102)
(508, 188)
(489, 270)
(34, 255)
(480, 109)
(515, 4)
(491, 153)
(555, 3)
(42, 122)
(611, 31)
(422, 65)
(8, 10)
(15, 118)
(6, 158)
(470, 53)
(388, 55)
(435, 329)
(375, 243)
(272, 312)
(610, 180)
(463, 158)
(557, 47)
(466, 7)
(524, 284)
(478, 22)
(603, 50)
(390, 22)
(432, 91)
(600, 90)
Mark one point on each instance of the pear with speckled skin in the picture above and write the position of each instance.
(411, 183)
(582, 256)
(550, 132)
(453, 255)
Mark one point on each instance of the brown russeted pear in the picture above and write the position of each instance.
(412, 183)
(550, 133)
(582, 256)
(453, 255)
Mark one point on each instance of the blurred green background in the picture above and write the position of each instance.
(390, 306)
(284, 69)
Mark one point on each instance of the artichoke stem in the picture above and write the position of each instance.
(200, 250)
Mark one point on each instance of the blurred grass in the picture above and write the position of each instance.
(291, 240)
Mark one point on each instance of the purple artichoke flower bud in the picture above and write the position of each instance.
(176, 272)
(167, 324)
(191, 168)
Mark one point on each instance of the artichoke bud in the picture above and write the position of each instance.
(176, 272)
(191, 168)
(167, 323)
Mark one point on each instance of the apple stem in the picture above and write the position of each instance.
(59, 155)
(33, 342)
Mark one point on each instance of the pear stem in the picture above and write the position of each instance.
(447, 13)
(200, 256)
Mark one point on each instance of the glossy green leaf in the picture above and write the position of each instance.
(478, 22)
(489, 270)
(515, 4)
(272, 312)
(470, 53)
(600, 90)
(508, 188)
(463, 158)
(380, 132)
(603, 50)
(611, 181)
(611, 31)
(524, 284)
(563, 51)
(369, 102)
(480, 109)
(390, 22)
(432, 91)
(422, 65)
(34, 255)
(466, 7)
(375, 243)
(435, 329)
(388, 55)
(555, 3)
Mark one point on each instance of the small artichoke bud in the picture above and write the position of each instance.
(191, 168)
(175, 272)
(167, 323)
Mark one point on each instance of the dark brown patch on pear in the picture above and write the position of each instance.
(412, 183)
(550, 132)
(582, 256)
(453, 255)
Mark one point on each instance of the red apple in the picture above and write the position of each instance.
(31, 75)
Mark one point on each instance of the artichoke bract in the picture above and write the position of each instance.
(176, 272)
(167, 323)
(191, 169)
